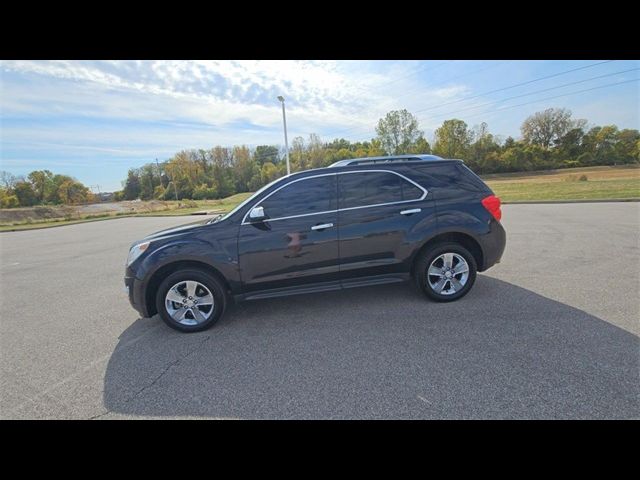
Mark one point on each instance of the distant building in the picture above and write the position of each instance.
(105, 196)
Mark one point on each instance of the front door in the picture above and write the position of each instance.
(297, 244)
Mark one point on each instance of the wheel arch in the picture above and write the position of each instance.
(464, 239)
(163, 272)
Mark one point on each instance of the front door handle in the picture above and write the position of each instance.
(409, 212)
(322, 226)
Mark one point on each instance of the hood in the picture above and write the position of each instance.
(175, 231)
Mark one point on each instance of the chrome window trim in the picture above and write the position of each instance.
(280, 188)
(424, 194)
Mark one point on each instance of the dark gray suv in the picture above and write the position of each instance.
(358, 222)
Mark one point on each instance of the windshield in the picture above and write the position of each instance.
(219, 218)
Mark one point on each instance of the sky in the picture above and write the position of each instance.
(94, 120)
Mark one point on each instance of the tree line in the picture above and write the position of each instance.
(551, 139)
(41, 187)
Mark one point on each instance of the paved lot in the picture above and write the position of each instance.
(551, 332)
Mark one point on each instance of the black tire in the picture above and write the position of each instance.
(425, 259)
(209, 281)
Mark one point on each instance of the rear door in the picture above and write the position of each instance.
(298, 243)
(377, 212)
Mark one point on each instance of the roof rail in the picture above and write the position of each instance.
(387, 159)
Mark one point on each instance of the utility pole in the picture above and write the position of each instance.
(286, 141)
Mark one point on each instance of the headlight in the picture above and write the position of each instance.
(136, 251)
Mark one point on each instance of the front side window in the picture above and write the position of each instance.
(360, 189)
(304, 197)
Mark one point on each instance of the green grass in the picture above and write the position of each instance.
(589, 190)
(622, 182)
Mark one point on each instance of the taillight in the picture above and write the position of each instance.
(492, 204)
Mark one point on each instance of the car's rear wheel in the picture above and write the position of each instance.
(446, 272)
(190, 300)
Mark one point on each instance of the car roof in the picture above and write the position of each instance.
(387, 162)
(385, 159)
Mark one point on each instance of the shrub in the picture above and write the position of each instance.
(187, 204)
(203, 192)
(9, 201)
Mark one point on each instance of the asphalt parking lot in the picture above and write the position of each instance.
(551, 332)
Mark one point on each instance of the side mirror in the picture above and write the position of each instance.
(257, 214)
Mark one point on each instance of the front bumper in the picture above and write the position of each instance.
(133, 289)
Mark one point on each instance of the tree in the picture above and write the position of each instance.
(398, 132)
(569, 146)
(483, 144)
(43, 185)
(7, 179)
(547, 127)
(149, 178)
(297, 155)
(269, 173)
(266, 153)
(452, 139)
(244, 168)
(7, 200)
(421, 146)
(316, 152)
(25, 194)
(71, 191)
(131, 186)
(628, 146)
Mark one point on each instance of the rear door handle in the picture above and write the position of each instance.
(322, 226)
(409, 212)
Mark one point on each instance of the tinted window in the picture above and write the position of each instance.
(303, 197)
(372, 188)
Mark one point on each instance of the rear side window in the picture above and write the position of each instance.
(451, 176)
(361, 189)
(303, 197)
(472, 178)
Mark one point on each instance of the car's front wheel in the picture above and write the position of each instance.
(446, 272)
(190, 300)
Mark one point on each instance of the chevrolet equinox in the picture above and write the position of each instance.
(358, 222)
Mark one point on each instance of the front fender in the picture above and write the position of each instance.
(212, 254)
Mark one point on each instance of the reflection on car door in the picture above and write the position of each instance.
(298, 243)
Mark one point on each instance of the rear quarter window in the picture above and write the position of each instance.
(452, 176)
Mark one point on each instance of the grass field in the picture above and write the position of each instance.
(597, 183)
(592, 183)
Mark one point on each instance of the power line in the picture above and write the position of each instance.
(555, 96)
(584, 67)
(451, 112)
(428, 86)
(420, 69)
(536, 92)
(455, 78)
(514, 86)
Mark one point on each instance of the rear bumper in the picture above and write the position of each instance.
(493, 245)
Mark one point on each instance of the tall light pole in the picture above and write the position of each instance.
(286, 141)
